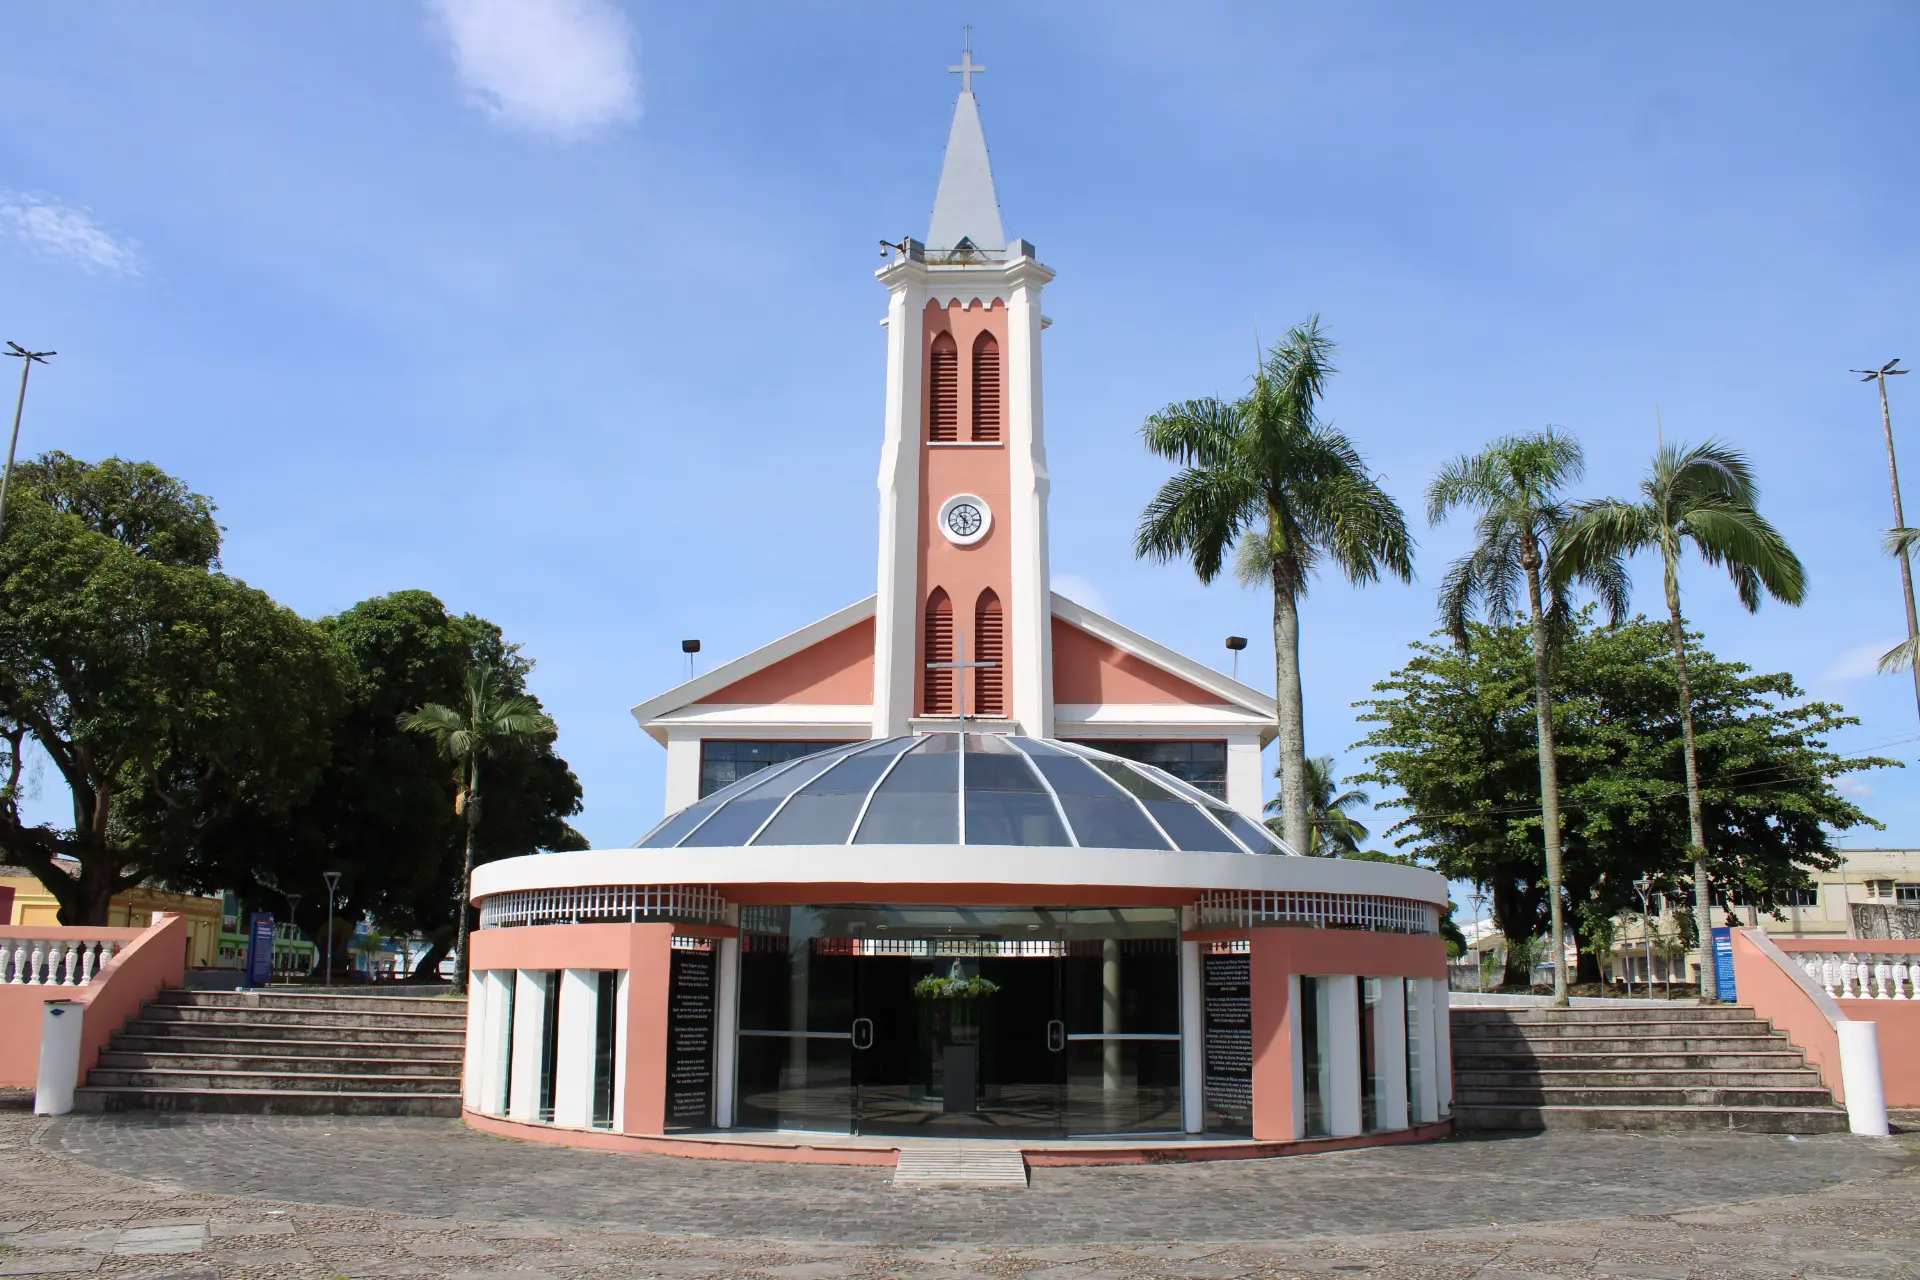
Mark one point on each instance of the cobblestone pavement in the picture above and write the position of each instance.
(212, 1198)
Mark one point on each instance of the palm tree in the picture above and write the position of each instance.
(1265, 474)
(1336, 833)
(1705, 496)
(1514, 484)
(489, 718)
(1901, 542)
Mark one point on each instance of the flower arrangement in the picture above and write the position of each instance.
(954, 987)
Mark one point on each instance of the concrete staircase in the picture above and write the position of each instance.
(1633, 1067)
(284, 1053)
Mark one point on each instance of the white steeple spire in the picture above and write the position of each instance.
(966, 206)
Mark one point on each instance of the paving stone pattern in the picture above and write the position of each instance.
(215, 1197)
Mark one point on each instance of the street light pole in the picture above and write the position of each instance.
(27, 360)
(1644, 887)
(333, 882)
(1880, 376)
(1478, 896)
(293, 914)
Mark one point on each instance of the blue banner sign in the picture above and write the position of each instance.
(1723, 963)
(259, 949)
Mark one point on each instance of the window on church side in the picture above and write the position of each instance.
(1201, 763)
(937, 696)
(986, 388)
(943, 390)
(989, 641)
(725, 761)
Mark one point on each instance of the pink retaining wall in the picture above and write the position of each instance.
(1898, 1020)
(155, 957)
(1771, 992)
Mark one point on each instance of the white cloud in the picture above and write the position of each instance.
(1853, 787)
(58, 231)
(1081, 591)
(1857, 663)
(559, 67)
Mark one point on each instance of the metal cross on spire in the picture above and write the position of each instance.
(967, 66)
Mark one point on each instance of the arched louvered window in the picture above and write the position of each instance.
(986, 388)
(989, 642)
(943, 390)
(937, 688)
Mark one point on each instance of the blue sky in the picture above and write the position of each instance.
(562, 309)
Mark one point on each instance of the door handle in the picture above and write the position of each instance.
(863, 1033)
(1056, 1036)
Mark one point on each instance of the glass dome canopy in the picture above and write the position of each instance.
(972, 788)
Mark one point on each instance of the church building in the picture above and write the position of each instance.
(962, 859)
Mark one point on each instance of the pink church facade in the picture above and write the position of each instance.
(963, 858)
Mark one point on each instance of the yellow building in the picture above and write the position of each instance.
(130, 909)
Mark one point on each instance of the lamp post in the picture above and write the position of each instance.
(27, 360)
(1880, 375)
(1644, 887)
(293, 912)
(1236, 644)
(689, 647)
(333, 882)
(1477, 897)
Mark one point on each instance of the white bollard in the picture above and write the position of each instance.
(1860, 1077)
(60, 1025)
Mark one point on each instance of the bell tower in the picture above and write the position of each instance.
(963, 467)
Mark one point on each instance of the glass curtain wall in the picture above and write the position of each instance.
(1316, 1055)
(959, 1020)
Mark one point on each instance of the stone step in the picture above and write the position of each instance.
(1533, 1095)
(301, 1000)
(1739, 1119)
(279, 1082)
(267, 1102)
(1553, 1060)
(1597, 1013)
(235, 1031)
(1508, 1077)
(1609, 1030)
(219, 1015)
(396, 1051)
(1490, 1047)
(118, 1059)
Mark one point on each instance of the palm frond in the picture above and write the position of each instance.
(1735, 536)
(1901, 657)
(1197, 514)
(1901, 541)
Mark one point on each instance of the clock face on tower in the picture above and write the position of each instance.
(965, 519)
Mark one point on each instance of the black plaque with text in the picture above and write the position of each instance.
(1228, 1076)
(690, 1039)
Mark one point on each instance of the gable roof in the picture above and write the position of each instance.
(1152, 652)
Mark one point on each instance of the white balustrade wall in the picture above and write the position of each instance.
(1863, 975)
(55, 962)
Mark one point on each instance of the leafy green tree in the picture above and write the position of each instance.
(1454, 733)
(1704, 497)
(1336, 832)
(1264, 474)
(171, 698)
(382, 811)
(484, 723)
(1514, 485)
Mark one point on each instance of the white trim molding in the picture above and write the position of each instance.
(1127, 640)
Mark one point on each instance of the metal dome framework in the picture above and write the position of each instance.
(964, 788)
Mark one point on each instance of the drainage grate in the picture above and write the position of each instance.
(1004, 1167)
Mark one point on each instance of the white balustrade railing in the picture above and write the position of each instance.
(1863, 975)
(55, 962)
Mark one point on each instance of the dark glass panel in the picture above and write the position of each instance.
(1190, 828)
(919, 802)
(1110, 822)
(1012, 817)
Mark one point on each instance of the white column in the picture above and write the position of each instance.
(1390, 1051)
(726, 1026)
(1245, 777)
(529, 1008)
(499, 1037)
(573, 1070)
(1030, 647)
(683, 768)
(623, 990)
(1442, 1049)
(473, 1062)
(1193, 1038)
(1420, 1107)
(898, 606)
(1296, 1046)
(1343, 1050)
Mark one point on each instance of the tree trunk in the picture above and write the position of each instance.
(1296, 818)
(1696, 817)
(428, 969)
(472, 816)
(1516, 972)
(1549, 781)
